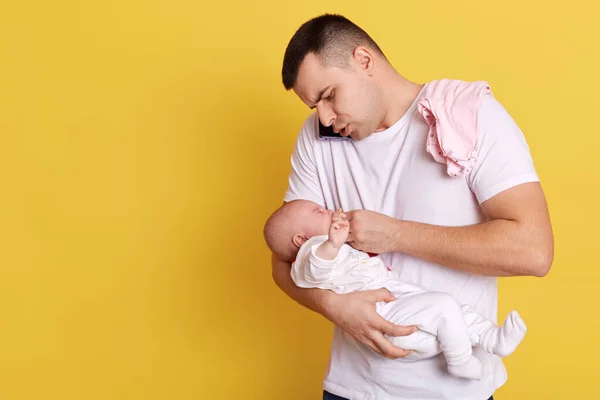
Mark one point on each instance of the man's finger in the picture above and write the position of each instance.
(371, 344)
(387, 349)
(392, 329)
(383, 295)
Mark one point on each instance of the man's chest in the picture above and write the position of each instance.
(401, 180)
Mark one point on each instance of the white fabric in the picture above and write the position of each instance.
(350, 271)
(444, 324)
(390, 172)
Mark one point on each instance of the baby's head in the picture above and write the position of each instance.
(293, 224)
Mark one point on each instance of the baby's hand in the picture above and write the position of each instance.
(339, 229)
(338, 215)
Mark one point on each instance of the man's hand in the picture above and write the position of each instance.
(355, 314)
(371, 231)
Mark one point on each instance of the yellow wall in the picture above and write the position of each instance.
(143, 144)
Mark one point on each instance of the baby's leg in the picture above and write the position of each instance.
(423, 345)
(493, 339)
(437, 314)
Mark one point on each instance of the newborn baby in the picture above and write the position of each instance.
(315, 238)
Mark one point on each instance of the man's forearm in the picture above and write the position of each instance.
(496, 248)
(516, 240)
(314, 299)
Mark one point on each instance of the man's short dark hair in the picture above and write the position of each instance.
(332, 37)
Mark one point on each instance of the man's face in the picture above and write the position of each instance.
(343, 97)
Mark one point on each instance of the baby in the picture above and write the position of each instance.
(316, 238)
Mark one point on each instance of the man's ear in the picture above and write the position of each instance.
(364, 59)
(299, 240)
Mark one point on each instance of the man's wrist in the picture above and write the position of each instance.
(397, 236)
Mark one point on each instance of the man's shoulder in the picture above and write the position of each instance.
(307, 138)
(451, 90)
(309, 128)
(452, 81)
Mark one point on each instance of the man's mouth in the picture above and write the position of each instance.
(345, 131)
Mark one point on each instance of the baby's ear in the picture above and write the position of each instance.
(299, 240)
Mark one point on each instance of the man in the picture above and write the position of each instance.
(450, 234)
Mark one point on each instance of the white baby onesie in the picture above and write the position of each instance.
(444, 325)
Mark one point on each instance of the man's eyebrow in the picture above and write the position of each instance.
(320, 96)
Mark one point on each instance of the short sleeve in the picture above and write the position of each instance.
(304, 178)
(308, 270)
(503, 156)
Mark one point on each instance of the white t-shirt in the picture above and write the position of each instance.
(390, 172)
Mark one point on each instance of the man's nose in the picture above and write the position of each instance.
(326, 115)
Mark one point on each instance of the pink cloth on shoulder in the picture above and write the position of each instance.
(449, 108)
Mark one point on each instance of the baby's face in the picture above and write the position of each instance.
(312, 218)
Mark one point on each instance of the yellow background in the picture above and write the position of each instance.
(143, 144)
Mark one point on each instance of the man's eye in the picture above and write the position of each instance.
(330, 96)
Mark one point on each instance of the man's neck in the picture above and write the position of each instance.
(398, 95)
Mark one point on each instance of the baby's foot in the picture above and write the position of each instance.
(509, 335)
